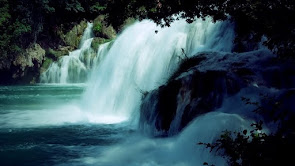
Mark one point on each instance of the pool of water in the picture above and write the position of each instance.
(42, 125)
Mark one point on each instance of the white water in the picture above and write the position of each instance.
(181, 150)
(141, 60)
(76, 67)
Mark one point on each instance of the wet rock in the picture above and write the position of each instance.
(202, 83)
(56, 54)
(97, 41)
(102, 30)
(33, 56)
(27, 62)
(73, 37)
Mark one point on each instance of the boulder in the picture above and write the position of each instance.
(32, 58)
(203, 82)
(73, 37)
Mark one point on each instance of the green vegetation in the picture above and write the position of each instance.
(102, 29)
(256, 147)
(23, 22)
(53, 24)
(97, 28)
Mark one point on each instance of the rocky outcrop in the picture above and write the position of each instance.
(102, 29)
(73, 37)
(27, 63)
(203, 82)
(56, 54)
(103, 32)
(33, 55)
(98, 41)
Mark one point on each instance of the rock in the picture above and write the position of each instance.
(65, 48)
(202, 83)
(129, 21)
(47, 62)
(33, 81)
(108, 32)
(32, 58)
(5, 63)
(98, 41)
(102, 30)
(56, 54)
(73, 37)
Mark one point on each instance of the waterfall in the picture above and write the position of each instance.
(141, 60)
(181, 150)
(76, 67)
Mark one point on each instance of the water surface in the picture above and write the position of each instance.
(37, 127)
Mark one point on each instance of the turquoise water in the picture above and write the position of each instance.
(39, 125)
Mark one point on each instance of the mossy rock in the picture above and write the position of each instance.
(97, 41)
(47, 62)
(73, 37)
(129, 21)
(101, 29)
(109, 32)
(56, 54)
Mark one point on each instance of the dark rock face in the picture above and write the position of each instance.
(203, 82)
(25, 66)
(162, 110)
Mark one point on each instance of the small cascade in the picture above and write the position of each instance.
(76, 67)
(141, 60)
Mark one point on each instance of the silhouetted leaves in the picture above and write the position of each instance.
(257, 147)
(253, 18)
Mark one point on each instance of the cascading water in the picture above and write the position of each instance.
(140, 60)
(75, 67)
(63, 132)
(176, 151)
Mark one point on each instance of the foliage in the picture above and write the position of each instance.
(97, 8)
(23, 22)
(74, 6)
(256, 147)
(4, 10)
(97, 28)
(253, 18)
